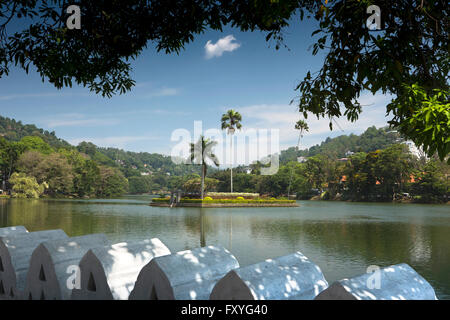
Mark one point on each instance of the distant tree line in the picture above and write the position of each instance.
(370, 140)
(389, 174)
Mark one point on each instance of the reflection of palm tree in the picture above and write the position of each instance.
(202, 229)
(231, 121)
(230, 246)
(201, 151)
(300, 125)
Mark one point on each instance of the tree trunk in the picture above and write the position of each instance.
(231, 167)
(203, 179)
(202, 229)
(292, 170)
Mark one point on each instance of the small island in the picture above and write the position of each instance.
(221, 200)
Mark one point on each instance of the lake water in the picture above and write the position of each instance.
(342, 238)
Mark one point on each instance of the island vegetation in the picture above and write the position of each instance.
(234, 202)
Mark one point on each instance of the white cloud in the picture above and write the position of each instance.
(221, 46)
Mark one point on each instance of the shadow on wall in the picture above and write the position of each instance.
(187, 275)
(110, 272)
(397, 282)
(289, 277)
(145, 269)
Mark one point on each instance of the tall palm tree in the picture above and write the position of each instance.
(201, 151)
(231, 120)
(300, 125)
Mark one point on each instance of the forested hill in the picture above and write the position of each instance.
(130, 163)
(13, 130)
(372, 139)
(134, 163)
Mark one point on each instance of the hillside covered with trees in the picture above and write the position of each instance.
(370, 140)
(80, 169)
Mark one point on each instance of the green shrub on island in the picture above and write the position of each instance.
(232, 195)
(162, 200)
(210, 200)
(239, 201)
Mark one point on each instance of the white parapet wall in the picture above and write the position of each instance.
(15, 255)
(9, 231)
(53, 271)
(185, 275)
(397, 282)
(110, 272)
(291, 277)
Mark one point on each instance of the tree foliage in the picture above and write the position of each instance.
(202, 153)
(25, 187)
(194, 185)
(13, 130)
(35, 143)
(431, 183)
(370, 140)
(115, 31)
(112, 183)
(65, 172)
(410, 49)
(425, 117)
(139, 185)
(231, 120)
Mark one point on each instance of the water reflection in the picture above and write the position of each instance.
(202, 228)
(342, 238)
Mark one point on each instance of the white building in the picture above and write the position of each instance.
(414, 149)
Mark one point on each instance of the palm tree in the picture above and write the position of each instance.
(300, 125)
(231, 120)
(200, 153)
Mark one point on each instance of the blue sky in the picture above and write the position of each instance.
(218, 71)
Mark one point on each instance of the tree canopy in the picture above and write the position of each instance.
(409, 54)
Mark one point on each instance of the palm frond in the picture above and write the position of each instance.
(231, 120)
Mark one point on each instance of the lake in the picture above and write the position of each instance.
(342, 238)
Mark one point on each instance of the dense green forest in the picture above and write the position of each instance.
(373, 166)
(372, 139)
